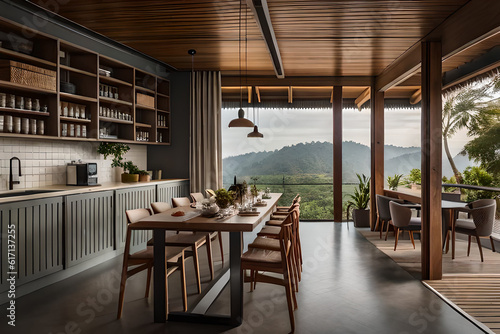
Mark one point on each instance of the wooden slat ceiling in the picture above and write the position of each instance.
(315, 38)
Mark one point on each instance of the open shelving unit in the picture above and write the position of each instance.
(93, 92)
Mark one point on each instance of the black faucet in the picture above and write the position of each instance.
(11, 177)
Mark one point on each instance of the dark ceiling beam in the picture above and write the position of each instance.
(483, 63)
(471, 23)
(261, 13)
(298, 81)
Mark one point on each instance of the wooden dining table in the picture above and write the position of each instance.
(193, 221)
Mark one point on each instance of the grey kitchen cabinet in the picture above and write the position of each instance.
(89, 226)
(167, 191)
(37, 235)
(128, 199)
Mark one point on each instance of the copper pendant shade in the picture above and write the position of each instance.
(241, 121)
(255, 133)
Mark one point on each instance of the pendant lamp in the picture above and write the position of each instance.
(241, 121)
(255, 133)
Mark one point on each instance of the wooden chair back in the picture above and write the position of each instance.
(160, 206)
(197, 197)
(180, 201)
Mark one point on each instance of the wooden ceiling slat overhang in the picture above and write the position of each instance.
(321, 42)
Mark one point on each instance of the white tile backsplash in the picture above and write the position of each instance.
(44, 163)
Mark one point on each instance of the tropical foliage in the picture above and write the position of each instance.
(394, 181)
(361, 196)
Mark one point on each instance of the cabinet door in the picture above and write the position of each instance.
(129, 199)
(38, 239)
(167, 191)
(88, 226)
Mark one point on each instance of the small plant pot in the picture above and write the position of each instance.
(144, 178)
(130, 177)
(361, 217)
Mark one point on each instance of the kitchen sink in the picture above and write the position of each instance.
(25, 193)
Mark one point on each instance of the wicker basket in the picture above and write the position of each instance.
(145, 100)
(28, 75)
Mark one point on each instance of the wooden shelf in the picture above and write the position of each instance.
(25, 112)
(111, 80)
(141, 106)
(114, 120)
(163, 111)
(144, 89)
(142, 125)
(8, 84)
(73, 119)
(25, 136)
(110, 100)
(75, 70)
(76, 98)
(162, 127)
(78, 138)
(26, 57)
(162, 95)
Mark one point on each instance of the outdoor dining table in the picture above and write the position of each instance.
(193, 221)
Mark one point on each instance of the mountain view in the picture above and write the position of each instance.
(317, 158)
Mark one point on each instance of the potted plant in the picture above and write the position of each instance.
(359, 202)
(116, 151)
(394, 181)
(415, 179)
(224, 198)
(144, 176)
(131, 172)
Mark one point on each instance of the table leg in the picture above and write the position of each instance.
(159, 284)
(452, 217)
(236, 280)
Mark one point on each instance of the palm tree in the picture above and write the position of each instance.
(462, 109)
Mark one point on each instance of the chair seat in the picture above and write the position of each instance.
(269, 231)
(266, 243)
(262, 256)
(172, 253)
(467, 224)
(183, 239)
(274, 222)
(415, 221)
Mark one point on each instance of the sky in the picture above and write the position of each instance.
(288, 127)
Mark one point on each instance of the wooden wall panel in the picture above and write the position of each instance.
(88, 226)
(39, 239)
(129, 199)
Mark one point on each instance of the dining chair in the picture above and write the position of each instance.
(270, 260)
(278, 216)
(272, 232)
(479, 226)
(287, 208)
(143, 259)
(384, 213)
(160, 206)
(180, 201)
(403, 221)
(193, 240)
(197, 197)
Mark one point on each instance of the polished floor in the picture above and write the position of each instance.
(348, 286)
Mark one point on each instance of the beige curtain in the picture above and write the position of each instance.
(205, 155)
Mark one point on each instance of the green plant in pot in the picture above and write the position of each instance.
(224, 198)
(131, 172)
(144, 176)
(359, 202)
(116, 150)
(394, 181)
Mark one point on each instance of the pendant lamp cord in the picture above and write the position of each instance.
(239, 55)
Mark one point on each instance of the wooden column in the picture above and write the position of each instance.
(337, 154)
(431, 161)
(377, 152)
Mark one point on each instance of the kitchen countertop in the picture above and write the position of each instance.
(64, 190)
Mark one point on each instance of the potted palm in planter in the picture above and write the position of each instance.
(144, 176)
(359, 202)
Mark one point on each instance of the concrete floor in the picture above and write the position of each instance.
(348, 286)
